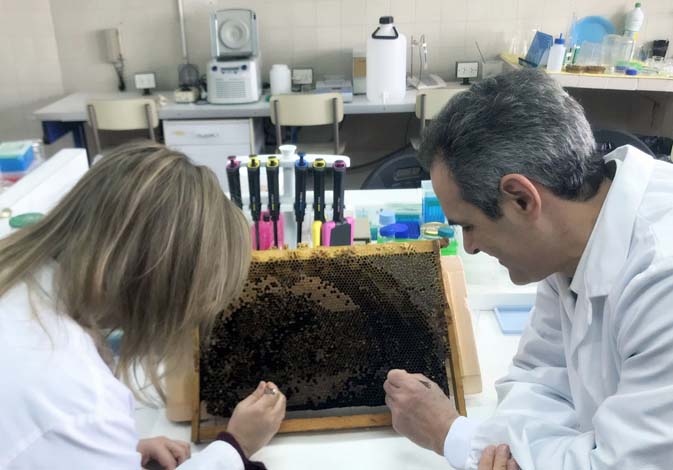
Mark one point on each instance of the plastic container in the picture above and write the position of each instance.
(557, 55)
(616, 52)
(281, 81)
(386, 63)
(634, 21)
(393, 232)
(431, 210)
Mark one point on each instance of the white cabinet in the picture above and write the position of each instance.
(210, 142)
(42, 188)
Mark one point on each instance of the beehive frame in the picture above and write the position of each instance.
(430, 249)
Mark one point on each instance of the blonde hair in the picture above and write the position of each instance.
(145, 242)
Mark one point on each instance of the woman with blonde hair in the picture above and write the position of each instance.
(147, 243)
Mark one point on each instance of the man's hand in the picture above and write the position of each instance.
(166, 452)
(497, 459)
(420, 409)
(256, 419)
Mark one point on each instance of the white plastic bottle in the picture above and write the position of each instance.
(634, 21)
(386, 63)
(557, 55)
(280, 79)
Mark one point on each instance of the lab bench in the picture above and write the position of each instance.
(362, 449)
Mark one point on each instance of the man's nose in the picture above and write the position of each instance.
(469, 244)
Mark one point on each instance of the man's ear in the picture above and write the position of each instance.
(521, 194)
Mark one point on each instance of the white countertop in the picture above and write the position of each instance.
(73, 107)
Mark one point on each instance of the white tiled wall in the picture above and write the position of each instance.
(30, 72)
(317, 33)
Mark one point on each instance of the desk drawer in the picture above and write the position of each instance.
(216, 132)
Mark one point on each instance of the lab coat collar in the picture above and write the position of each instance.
(608, 245)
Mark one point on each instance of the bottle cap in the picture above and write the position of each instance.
(560, 40)
(631, 72)
(386, 20)
(386, 217)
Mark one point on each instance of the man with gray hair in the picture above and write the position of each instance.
(513, 161)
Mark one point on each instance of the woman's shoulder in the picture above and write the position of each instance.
(56, 370)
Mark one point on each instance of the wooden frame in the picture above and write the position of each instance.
(201, 432)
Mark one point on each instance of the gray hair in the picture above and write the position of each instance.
(518, 122)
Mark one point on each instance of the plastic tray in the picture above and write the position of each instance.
(512, 318)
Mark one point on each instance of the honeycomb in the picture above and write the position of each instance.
(327, 326)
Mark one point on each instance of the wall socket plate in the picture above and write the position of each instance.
(467, 69)
(145, 81)
(302, 76)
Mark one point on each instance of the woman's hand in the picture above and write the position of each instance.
(497, 459)
(256, 419)
(166, 452)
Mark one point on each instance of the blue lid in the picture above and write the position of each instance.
(386, 217)
(631, 72)
(395, 230)
(446, 232)
(560, 40)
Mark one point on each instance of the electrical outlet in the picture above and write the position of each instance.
(145, 81)
(467, 69)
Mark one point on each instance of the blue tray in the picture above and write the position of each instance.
(592, 29)
(512, 318)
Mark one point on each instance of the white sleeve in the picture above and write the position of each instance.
(631, 429)
(85, 441)
(218, 455)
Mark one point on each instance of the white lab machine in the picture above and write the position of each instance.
(234, 73)
(234, 81)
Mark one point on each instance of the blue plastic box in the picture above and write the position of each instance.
(16, 156)
(512, 318)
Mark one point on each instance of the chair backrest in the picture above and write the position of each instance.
(399, 170)
(125, 114)
(435, 99)
(308, 109)
(609, 139)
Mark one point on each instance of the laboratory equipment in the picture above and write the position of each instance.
(234, 180)
(556, 55)
(113, 52)
(255, 195)
(234, 71)
(318, 200)
(386, 63)
(423, 79)
(359, 71)
(340, 231)
(300, 169)
(467, 70)
(188, 74)
(272, 166)
(234, 81)
(233, 34)
(281, 80)
(634, 21)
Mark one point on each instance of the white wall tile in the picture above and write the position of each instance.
(303, 13)
(403, 11)
(375, 10)
(353, 12)
(453, 10)
(427, 11)
(328, 13)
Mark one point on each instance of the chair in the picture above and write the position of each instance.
(609, 139)
(428, 104)
(399, 170)
(314, 109)
(122, 115)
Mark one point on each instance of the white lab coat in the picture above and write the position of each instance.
(60, 405)
(591, 386)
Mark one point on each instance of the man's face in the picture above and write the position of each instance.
(511, 238)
